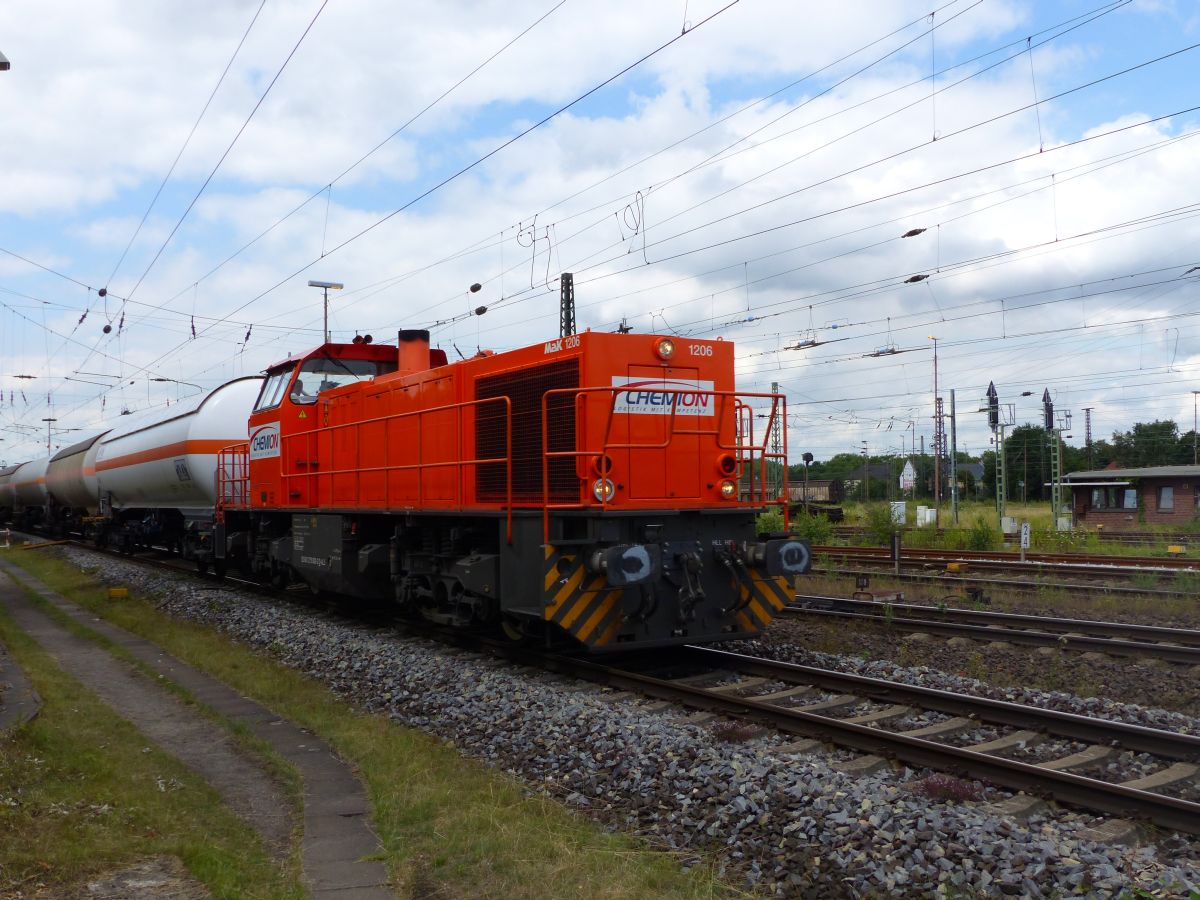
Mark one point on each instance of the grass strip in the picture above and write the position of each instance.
(82, 792)
(449, 826)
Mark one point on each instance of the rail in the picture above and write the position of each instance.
(745, 454)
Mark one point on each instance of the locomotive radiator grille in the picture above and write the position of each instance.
(525, 389)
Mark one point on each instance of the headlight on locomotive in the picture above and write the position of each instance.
(604, 489)
(728, 490)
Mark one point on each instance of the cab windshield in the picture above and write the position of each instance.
(325, 373)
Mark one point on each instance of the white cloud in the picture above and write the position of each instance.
(102, 96)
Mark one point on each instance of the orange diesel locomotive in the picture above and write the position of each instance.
(601, 486)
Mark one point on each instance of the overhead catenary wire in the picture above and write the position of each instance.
(478, 161)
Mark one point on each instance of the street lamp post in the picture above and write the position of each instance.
(327, 286)
(1194, 393)
(937, 430)
(866, 485)
(807, 457)
(177, 381)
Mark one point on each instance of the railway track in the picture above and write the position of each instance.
(728, 682)
(1142, 538)
(1005, 559)
(860, 713)
(1176, 645)
(1014, 584)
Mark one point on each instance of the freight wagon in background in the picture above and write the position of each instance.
(820, 497)
(830, 490)
(1129, 499)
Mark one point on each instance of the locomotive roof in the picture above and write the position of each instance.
(352, 351)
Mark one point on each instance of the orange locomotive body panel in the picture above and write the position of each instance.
(442, 438)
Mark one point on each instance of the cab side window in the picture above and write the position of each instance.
(272, 389)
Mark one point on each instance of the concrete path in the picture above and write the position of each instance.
(336, 829)
(19, 702)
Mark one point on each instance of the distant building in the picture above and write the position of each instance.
(975, 470)
(875, 472)
(1128, 498)
(908, 476)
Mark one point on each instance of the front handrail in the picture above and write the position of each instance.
(232, 479)
(742, 451)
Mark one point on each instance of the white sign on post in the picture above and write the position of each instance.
(1024, 535)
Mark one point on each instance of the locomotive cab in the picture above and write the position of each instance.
(288, 404)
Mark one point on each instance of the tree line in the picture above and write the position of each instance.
(1026, 456)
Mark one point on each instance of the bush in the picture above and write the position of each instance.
(770, 521)
(880, 527)
(816, 529)
(982, 535)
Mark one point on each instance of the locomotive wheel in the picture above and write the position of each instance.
(521, 630)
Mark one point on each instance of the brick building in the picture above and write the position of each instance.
(1134, 498)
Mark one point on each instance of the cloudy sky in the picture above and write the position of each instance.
(743, 170)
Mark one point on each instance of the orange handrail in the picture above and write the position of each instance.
(357, 470)
(744, 452)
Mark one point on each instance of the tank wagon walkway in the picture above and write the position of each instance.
(336, 832)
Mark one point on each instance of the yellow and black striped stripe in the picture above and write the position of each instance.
(583, 604)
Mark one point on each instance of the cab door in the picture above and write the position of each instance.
(665, 464)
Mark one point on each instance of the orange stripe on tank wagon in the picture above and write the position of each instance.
(168, 451)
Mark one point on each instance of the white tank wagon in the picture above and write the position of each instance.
(171, 462)
(71, 476)
(27, 485)
(6, 492)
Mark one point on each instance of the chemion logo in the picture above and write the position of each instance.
(656, 396)
(264, 441)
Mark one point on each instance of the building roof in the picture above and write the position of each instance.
(1144, 472)
(878, 471)
(976, 469)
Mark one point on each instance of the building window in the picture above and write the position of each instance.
(1166, 498)
(1114, 498)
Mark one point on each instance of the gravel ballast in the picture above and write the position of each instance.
(784, 823)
